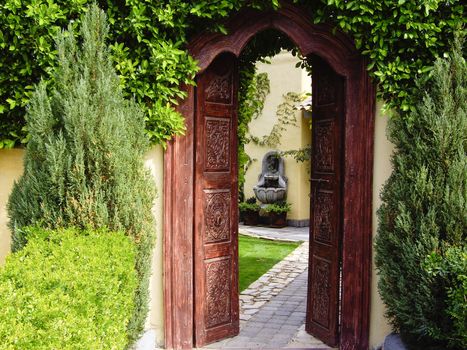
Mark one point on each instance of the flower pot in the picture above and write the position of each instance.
(277, 220)
(250, 217)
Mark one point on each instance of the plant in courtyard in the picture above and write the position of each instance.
(68, 289)
(278, 208)
(249, 205)
(84, 165)
(420, 248)
(249, 211)
(286, 115)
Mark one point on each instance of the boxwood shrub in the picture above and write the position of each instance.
(68, 289)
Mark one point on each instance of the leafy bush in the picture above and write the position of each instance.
(68, 289)
(424, 211)
(84, 164)
(278, 208)
(452, 268)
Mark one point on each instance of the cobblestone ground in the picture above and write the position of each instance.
(273, 309)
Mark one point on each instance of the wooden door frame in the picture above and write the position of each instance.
(339, 51)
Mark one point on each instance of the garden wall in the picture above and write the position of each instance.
(382, 168)
(11, 167)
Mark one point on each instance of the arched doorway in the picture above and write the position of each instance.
(185, 198)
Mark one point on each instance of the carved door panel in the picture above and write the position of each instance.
(216, 314)
(326, 198)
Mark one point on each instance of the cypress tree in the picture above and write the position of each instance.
(424, 208)
(83, 164)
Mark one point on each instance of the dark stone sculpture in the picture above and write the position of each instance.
(272, 184)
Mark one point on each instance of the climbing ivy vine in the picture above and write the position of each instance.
(254, 87)
(286, 115)
(400, 39)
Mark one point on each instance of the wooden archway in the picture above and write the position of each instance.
(339, 52)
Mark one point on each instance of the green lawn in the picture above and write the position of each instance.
(257, 256)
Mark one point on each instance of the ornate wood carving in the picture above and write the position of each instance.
(324, 153)
(218, 292)
(217, 144)
(219, 90)
(217, 216)
(321, 292)
(323, 217)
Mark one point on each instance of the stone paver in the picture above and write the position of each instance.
(273, 282)
(289, 233)
(303, 340)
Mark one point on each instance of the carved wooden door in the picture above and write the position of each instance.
(326, 198)
(216, 210)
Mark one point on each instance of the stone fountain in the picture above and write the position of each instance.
(272, 184)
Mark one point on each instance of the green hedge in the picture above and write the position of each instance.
(68, 289)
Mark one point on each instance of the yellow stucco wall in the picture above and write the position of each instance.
(284, 77)
(382, 168)
(155, 163)
(11, 168)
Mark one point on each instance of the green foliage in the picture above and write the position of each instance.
(286, 115)
(424, 210)
(148, 50)
(401, 39)
(452, 268)
(84, 165)
(68, 289)
(278, 208)
(300, 155)
(246, 206)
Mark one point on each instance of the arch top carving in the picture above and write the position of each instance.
(336, 48)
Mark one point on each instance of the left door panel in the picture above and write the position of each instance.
(216, 314)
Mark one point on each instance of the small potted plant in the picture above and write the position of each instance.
(277, 213)
(249, 210)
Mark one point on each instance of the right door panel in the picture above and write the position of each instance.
(328, 114)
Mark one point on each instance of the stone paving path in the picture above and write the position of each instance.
(273, 309)
(273, 282)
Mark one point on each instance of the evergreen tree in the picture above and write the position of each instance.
(424, 210)
(83, 165)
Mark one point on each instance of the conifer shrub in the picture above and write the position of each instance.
(83, 165)
(68, 289)
(421, 242)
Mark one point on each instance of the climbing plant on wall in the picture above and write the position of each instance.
(401, 39)
(254, 87)
(286, 115)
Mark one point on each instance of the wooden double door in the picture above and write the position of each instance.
(216, 307)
